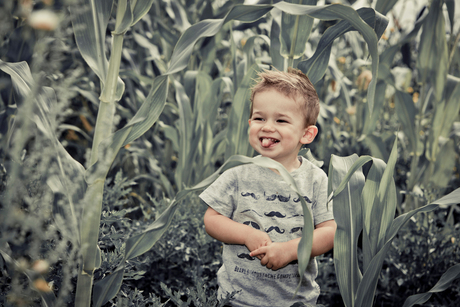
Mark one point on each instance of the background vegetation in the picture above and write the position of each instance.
(180, 118)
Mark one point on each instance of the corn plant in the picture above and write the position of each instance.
(83, 188)
(365, 205)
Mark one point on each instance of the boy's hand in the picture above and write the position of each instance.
(256, 239)
(276, 255)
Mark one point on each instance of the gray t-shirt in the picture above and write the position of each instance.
(258, 197)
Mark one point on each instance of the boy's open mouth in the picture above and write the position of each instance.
(267, 142)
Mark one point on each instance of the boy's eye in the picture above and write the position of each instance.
(257, 118)
(281, 121)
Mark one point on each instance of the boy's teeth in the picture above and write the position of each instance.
(267, 142)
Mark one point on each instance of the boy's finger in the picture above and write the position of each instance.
(260, 250)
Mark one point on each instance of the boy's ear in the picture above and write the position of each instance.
(309, 134)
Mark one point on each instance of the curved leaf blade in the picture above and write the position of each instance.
(316, 65)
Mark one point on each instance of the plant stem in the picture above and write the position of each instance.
(106, 111)
(93, 198)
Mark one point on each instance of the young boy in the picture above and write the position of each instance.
(257, 215)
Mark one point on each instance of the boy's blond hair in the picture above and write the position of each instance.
(293, 84)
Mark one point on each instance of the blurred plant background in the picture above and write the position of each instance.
(199, 128)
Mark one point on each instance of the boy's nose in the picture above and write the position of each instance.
(267, 127)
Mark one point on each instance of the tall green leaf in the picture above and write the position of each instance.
(237, 133)
(275, 46)
(348, 216)
(445, 115)
(295, 31)
(406, 111)
(89, 21)
(432, 58)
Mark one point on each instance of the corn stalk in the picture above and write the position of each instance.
(90, 22)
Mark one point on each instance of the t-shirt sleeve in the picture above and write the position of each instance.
(322, 211)
(221, 194)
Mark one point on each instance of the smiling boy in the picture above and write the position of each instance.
(257, 215)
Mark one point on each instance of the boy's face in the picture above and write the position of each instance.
(277, 127)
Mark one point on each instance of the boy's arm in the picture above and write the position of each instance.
(279, 254)
(228, 231)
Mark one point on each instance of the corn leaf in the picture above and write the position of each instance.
(432, 58)
(388, 54)
(237, 133)
(315, 67)
(444, 282)
(108, 287)
(370, 200)
(70, 179)
(441, 169)
(124, 17)
(384, 205)
(141, 7)
(406, 111)
(444, 117)
(145, 117)
(348, 216)
(384, 6)
(250, 13)
(371, 122)
(185, 132)
(248, 49)
(343, 184)
(89, 21)
(275, 46)
(295, 31)
(370, 277)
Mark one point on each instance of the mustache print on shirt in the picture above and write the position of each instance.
(275, 228)
(250, 195)
(296, 200)
(296, 229)
(246, 256)
(273, 197)
(275, 214)
(253, 224)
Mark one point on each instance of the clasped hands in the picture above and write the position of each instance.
(273, 255)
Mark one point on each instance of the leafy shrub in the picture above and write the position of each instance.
(425, 248)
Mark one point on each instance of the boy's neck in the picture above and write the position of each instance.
(290, 166)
